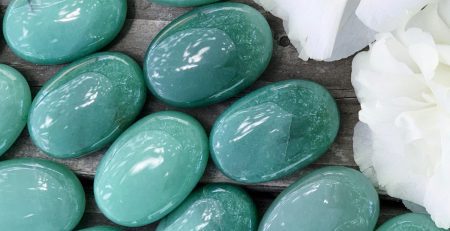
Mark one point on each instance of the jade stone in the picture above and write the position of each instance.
(211, 208)
(61, 31)
(86, 105)
(331, 198)
(39, 194)
(410, 222)
(101, 228)
(274, 131)
(15, 101)
(151, 168)
(208, 55)
(183, 3)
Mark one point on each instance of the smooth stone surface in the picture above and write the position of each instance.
(208, 55)
(86, 105)
(15, 101)
(274, 131)
(60, 31)
(183, 3)
(410, 222)
(213, 207)
(39, 195)
(331, 198)
(151, 168)
(101, 228)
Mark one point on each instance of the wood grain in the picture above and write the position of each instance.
(144, 21)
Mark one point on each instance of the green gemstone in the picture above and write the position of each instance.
(184, 3)
(87, 105)
(39, 195)
(211, 208)
(410, 222)
(101, 228)
(151, 168)
(60, 31)
(331, 198)
(15, 100)
(274, 131)
(208, 55)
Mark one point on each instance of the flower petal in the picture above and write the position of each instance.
(321, 29)
(388, 15)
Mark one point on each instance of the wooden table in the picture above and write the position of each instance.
(144, 21)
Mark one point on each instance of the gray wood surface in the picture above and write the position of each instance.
(144, 21)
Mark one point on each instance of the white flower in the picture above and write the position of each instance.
(388, 15)
(321, 29)
(403, 84)
(334, 29)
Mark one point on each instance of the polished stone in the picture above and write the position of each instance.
(184, 3)
(39, 195)
(101, 228)
(410, 222)
(213, 207)
(15, 101)
(86, 105)
(331, 198)
(274, 131)
(60, 31)
(208, 55)
(151, 168)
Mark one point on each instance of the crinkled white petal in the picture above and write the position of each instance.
(444, 9)
(403, 85)
(388, 15)
(389, 55)
(321, 29)
(421, 49)
(437, 198)
(429, 20)
(352, 34)
(444, 53)
(362, 148)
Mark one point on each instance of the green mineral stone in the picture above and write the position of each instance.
(101, 228)
(60, 31)
(183, 3)
(211, 208)
(274, 131)
(15, 101)
(410, 222)
(331, 198)
(151, 168)
(208, 55)
(39, 195)
(86, 105)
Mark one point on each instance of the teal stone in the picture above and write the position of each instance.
(211, 208)
(274, 131)
(15, 101)
(410, 222)
(184, 3)
(87, 105)
(61, 31)
(39, 195)
(208, 55)
(151, 168)
(101, 228)
(331, 198)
